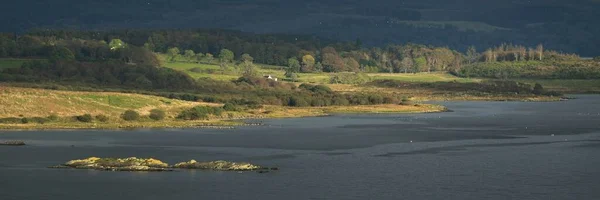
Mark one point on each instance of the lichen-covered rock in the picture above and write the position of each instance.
(151, 164)
(119, 164)
(219, 165)
(83, 162)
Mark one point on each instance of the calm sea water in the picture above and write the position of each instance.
(483, 150)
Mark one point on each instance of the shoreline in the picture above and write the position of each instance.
(274, 112)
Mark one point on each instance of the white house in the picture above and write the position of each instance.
(271, 77)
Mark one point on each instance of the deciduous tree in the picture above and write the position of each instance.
(226, 56)
(293, 65)
(189, 55)
(116, 44)
(172, 53)
(308, 63)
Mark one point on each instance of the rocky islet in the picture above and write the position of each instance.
(151, 164)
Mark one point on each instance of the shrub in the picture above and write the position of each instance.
(200, 112)
(298, 102)
(84, 118)
(255, 105)
(102, 118)
(157, 114)
(191, 115)
(318, 89)
(217, 111)
(230, 107)
(24, 120)
(340, 101)
(538, 89)
(39, 120)
(130, 115)
(390, 100)
(376, 99)
(359, 100)
(209, 99)
(11, 120)
(553, 93)
(318, 102)
(406, 101)
(53, 117)
(350, 78)
(196, 70)
(291, 76)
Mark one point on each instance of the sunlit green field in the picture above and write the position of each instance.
(186, 67)
(560, 85)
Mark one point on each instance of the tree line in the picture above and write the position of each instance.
(313, 54)
(297, 53)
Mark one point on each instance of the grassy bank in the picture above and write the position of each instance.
(31, 103)
(27, 102)
(429, 94)
(290, 112)
(122, 125)
(232, 119)
(568, 86)
(422, 77)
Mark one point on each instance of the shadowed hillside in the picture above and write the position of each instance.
(567, 26)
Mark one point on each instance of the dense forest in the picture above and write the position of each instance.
(568, 26)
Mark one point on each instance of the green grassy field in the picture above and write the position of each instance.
(560, 85)
(270, 70)
(186, 67)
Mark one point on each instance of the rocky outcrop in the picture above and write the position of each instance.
(219, 165)
(117, 164)
(151, 164)
(12, 143)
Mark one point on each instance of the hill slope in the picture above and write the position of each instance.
(29, 102)
(563, 25)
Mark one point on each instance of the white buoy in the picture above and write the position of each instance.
(411, 141)
(552, 135)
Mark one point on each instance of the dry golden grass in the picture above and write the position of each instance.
(29, 102)
(289, 112)
(387, 108)
(168, 123)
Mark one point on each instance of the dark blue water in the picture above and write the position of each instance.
(483, 150)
